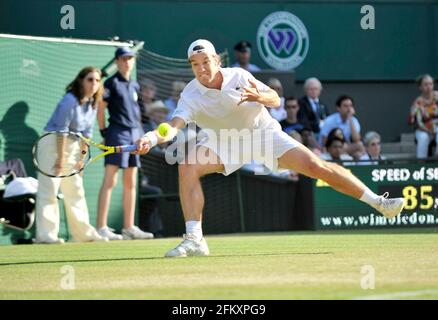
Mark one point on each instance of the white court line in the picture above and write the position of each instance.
(395, 295)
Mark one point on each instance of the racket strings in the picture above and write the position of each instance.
(61, 155)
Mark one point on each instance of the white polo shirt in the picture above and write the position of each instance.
(217, 109)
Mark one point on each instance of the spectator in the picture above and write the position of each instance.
(336, 132)
(172, 101)
(148, 92)
(335, 151)
(424, 114)
(76, 112)
(279, 113)
(291, 122)
(243, 57)
(124, 128)
(345, 120)
(312, 110)
(157, 114)
(296, 135)
(373, 148)
(309, 140)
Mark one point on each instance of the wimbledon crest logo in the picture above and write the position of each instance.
(282, 40)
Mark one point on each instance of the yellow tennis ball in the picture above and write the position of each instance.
(163, 129)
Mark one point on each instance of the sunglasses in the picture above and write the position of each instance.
(294, 106)
(375, 144)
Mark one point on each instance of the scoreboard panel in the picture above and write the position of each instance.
(416, 182)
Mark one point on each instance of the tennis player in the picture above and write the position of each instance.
(231, 98)
(76, 112)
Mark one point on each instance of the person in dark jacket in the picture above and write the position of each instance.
(312, 110)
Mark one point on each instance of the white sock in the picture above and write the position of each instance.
(370, 197)
(194, 227)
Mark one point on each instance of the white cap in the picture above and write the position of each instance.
(200, 45)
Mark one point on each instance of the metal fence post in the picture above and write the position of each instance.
(240, 199)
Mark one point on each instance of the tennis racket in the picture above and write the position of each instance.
(64, 154)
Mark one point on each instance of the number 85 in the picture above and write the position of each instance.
(410, 194)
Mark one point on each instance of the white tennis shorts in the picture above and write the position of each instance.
(237, 148)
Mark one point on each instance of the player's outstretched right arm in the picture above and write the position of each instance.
(152, 138)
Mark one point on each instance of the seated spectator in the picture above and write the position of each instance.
(172, 102)
(345, 120)
(148, 92)
(312, 110)
(242, 51)
(277, 113)
(337, 132)
(308, 139)
(157, 114)
(296, 135)
(335, 151)
(290, 123)
(424, 116)
(373, 149)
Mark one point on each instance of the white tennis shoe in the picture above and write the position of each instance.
(96, 237)
(190, 246)
(109, 233)
(390, 208)
(134, 233)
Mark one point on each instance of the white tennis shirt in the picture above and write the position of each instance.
(217, 109)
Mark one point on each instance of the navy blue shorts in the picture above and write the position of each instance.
(117, 135)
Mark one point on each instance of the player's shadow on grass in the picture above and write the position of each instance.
(158, 258)
(18, 136)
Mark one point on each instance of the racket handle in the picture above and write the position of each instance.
(127, 148)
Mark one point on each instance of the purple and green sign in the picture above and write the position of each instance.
(282, 40)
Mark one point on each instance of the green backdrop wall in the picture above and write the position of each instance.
(403, 44)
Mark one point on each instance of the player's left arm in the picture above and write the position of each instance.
(253, 93)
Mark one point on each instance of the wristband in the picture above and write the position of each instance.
(152, 138)
(103, 132)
